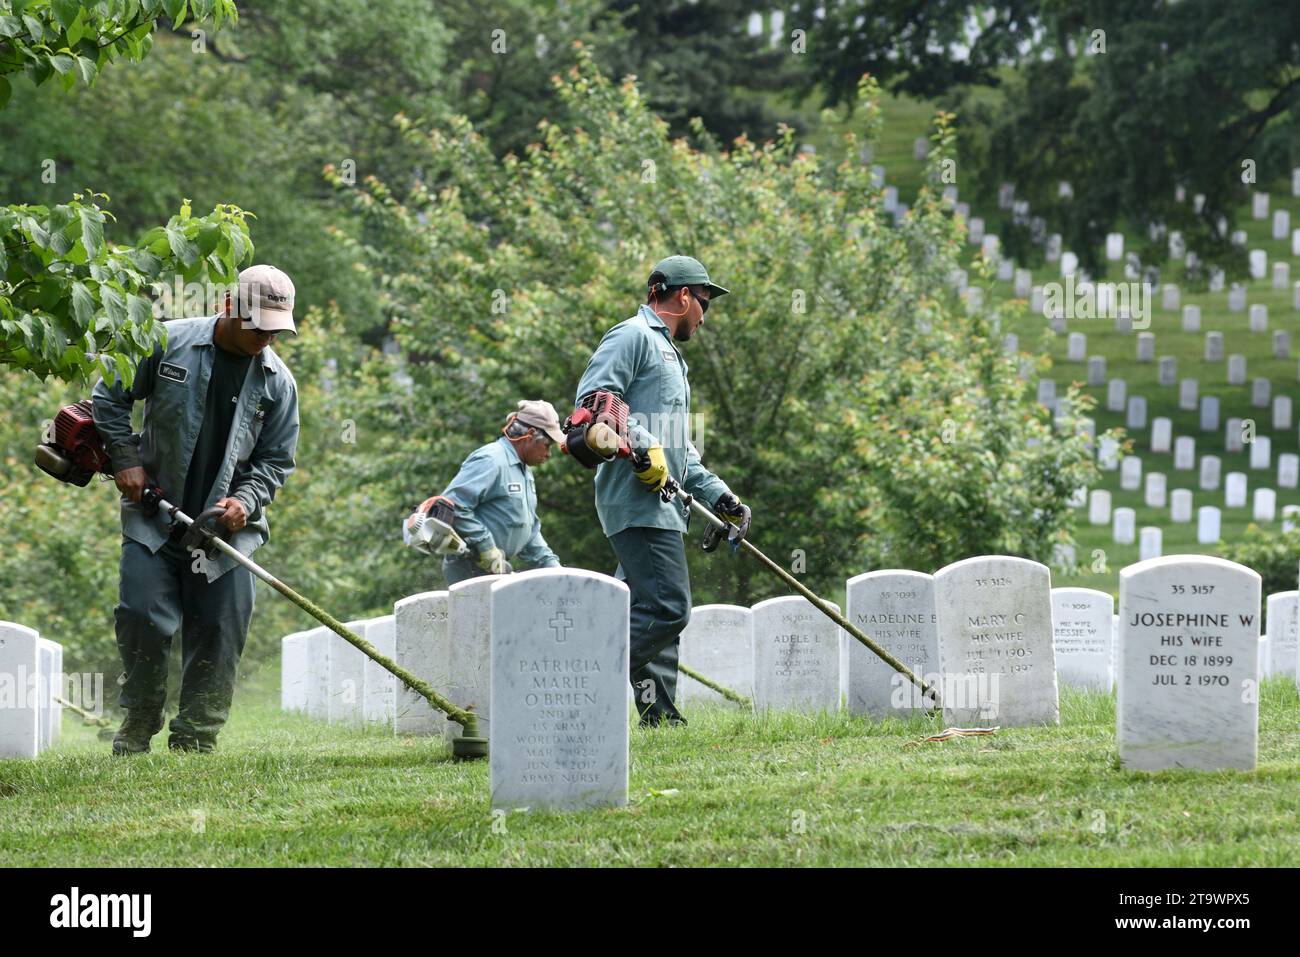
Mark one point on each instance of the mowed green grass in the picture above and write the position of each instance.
(730, 789)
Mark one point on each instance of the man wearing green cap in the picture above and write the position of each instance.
(496, 500)
(639, 360)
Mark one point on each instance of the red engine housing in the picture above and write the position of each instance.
(77, 452)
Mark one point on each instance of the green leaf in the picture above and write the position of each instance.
(114, 304)
(35, 29)
(10, 26)
(65, 11)
(175, 9)
(181, 247)
(61, 62)
(208, 237)
(92, 230)
(86, 69)
(83, 305)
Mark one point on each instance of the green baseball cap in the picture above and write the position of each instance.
(685, 271)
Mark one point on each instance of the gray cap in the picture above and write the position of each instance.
(266, 299)
(540, 414)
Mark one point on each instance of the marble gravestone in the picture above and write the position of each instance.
(380, 685)
(1281, 634)
(422, 645)
(1081, 637)
(316, 693)
(559, 703)
(719, 644)
(19, 671)
(469, 618)
(995, 642)
(293, 672)
(347, 681)
(1188, 664)
(796, 656)
(50, 688)
(895, 609)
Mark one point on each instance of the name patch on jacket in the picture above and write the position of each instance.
(514, 487)
(174, 372)
(669, 355)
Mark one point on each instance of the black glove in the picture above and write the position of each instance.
(730, 509)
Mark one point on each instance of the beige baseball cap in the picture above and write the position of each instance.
(266, 299)
(540, 414)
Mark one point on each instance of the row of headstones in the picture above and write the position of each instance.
(31, 680)
(1123, 520)
(1076, 350)
(1135, 407)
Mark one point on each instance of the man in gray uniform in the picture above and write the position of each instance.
(496, 498)
(220, 428)
(639, 360)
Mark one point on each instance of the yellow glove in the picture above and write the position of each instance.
(655, 475)
(493, 561)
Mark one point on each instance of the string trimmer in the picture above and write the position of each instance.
(596, 432)
(74, 452)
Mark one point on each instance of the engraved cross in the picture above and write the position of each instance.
(560, 625)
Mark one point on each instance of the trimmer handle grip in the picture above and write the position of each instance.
(151, 498)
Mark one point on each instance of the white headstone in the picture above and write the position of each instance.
(1236, 297)
(1096, 370)
(1261, 451)
(1136, 417)
(1211, 469)
(1258, 317)
(1234, 490)
(1207, 525)
(1069, 263)
(1236, 369)
(1189, 644)
(1168, 374)
(293, 672)
(1214, 346)
(1116, 395)
(1184, 452)
(1191, 318)
(1290, 517)
(1130, 473)
(719, 644)
(1187, 395)
(1281, 634)
(558, 735)
(1081, 636)
(19, 673)
(1124, 530)
(796, 656)
(317, 696)
(1258, 264)
(1146, 347)
(995, 642)
(1114, 246)
(49, 711)
(1161, 434)
(1259, 205)
(975, 229)
(422, 635)
(1288, 470)
(1260, 388)
(1281, 344)
(1024, 283)
(1154, 493)
(347, 681)
(1281, 275)
(1232, 436)
(1281, 413)
(1265, 508)
(1099, 507)
(1180, 506)
(1281, 223)
(1108, 454)
(1210, 413)
(469, 623)
(895, 609)
(381, 686)
(1169, 297)
(1150, 542)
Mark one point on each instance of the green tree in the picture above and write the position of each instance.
(504, 273)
